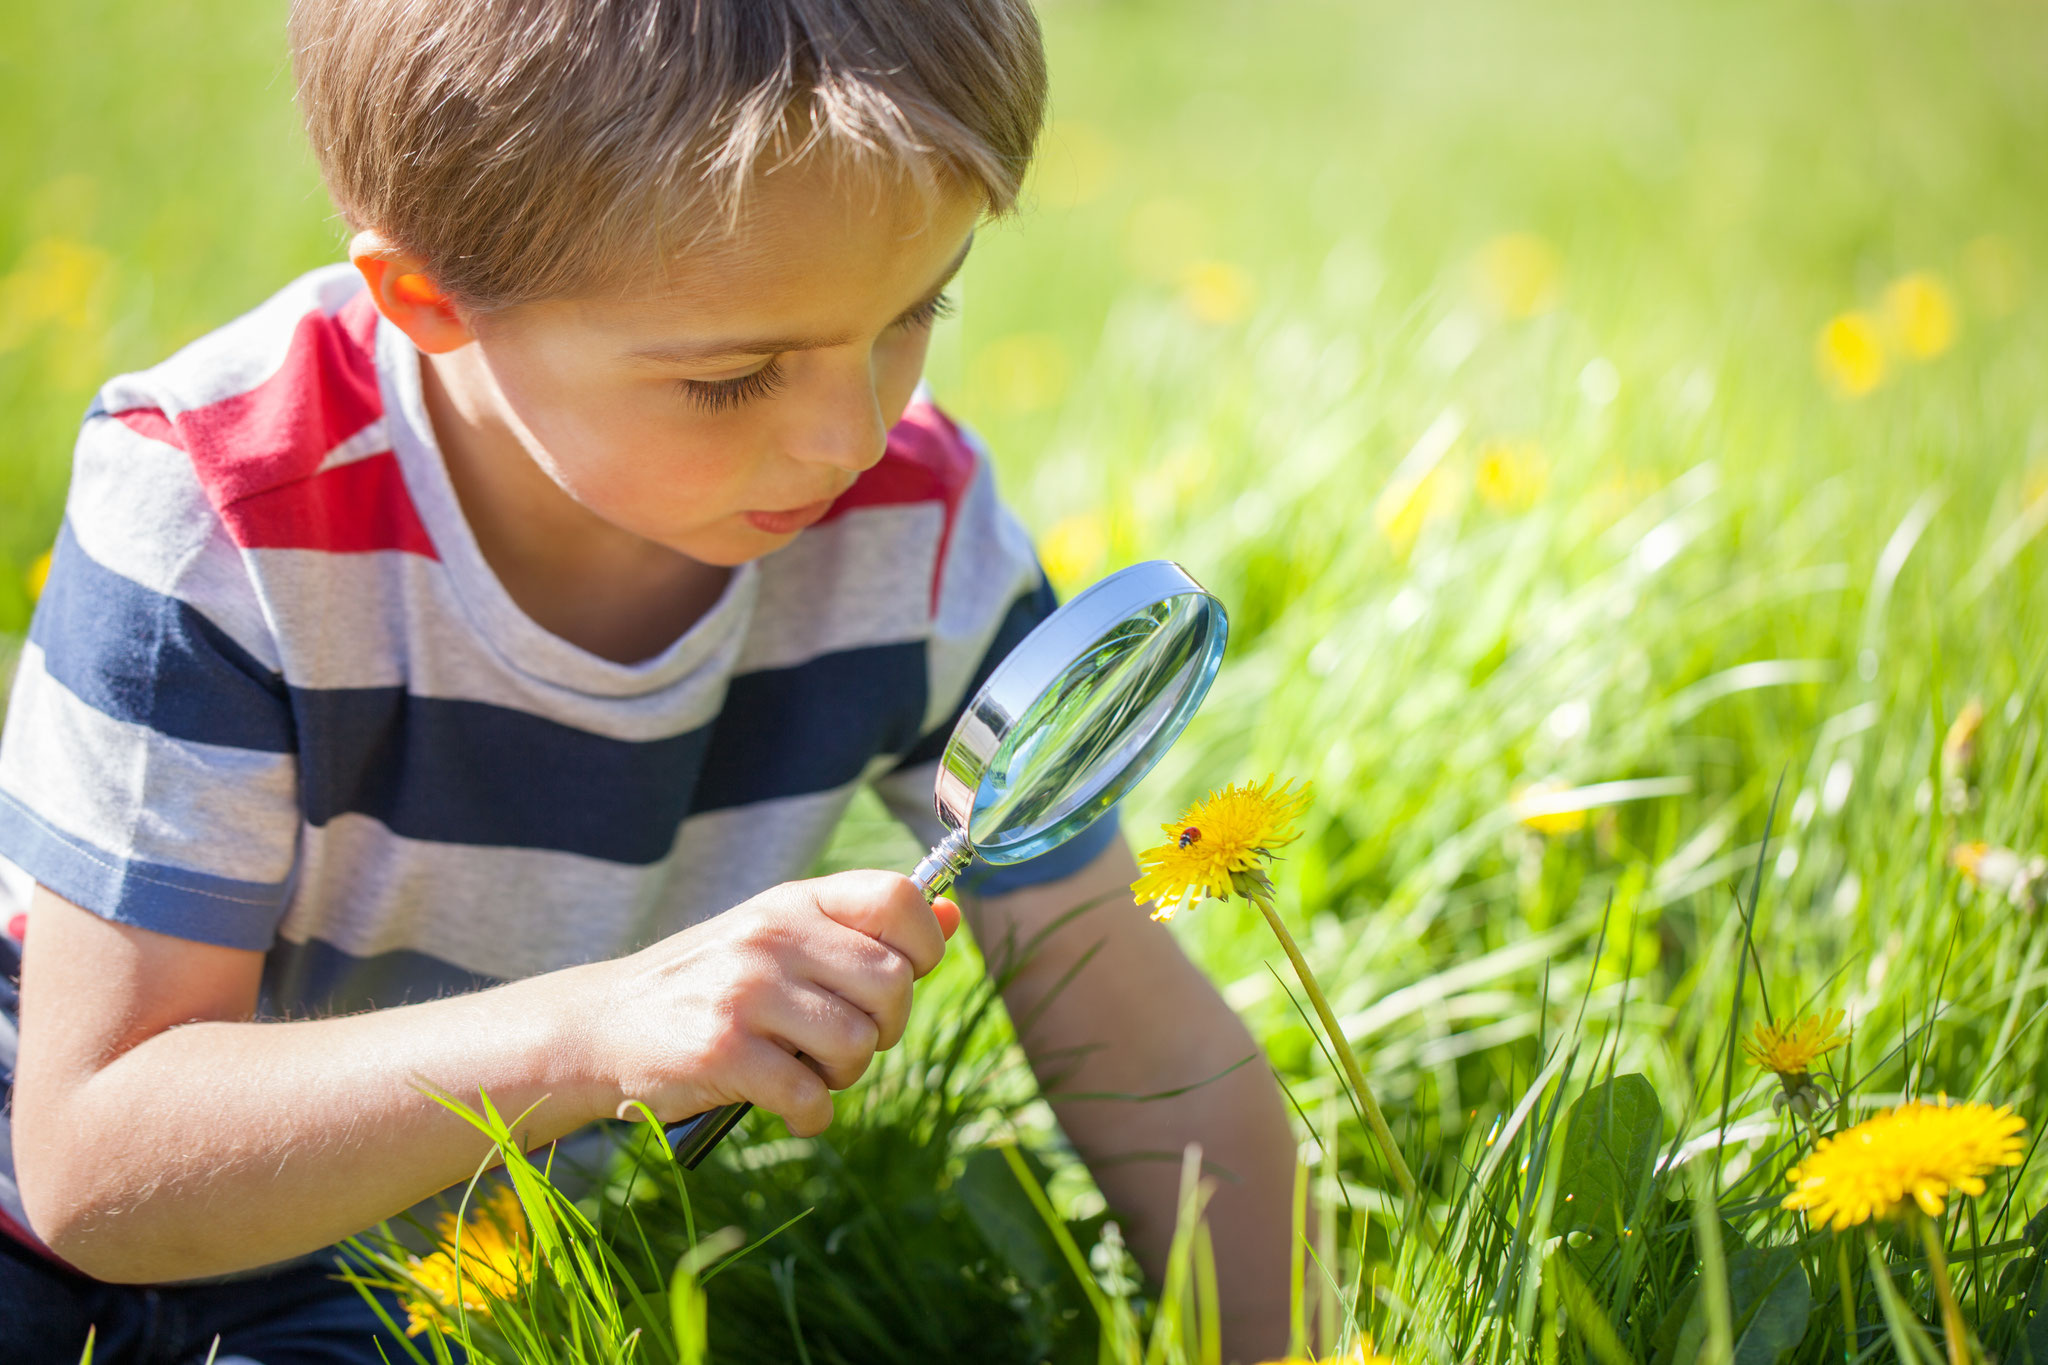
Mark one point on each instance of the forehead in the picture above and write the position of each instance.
(815, 244)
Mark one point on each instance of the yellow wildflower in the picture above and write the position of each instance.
(493, 1254)
(1519, 274)
(1536, 807)
(1510, 473)
(1919, 1152)
(1361, 1353)
(1074, 550)
(1217, 292)
(38, 575)
(1851, 354)
(1921, 314)
(1219, 845)
(1789, 1052)
(1792, 1049)
(2019, 877)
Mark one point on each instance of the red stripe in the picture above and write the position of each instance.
(353, 508)
(258, 454)
(926, 460)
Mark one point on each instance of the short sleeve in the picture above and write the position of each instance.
(147, 765)
(991, 594)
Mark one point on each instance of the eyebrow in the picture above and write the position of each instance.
(688, 352)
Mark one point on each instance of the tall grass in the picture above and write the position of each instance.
(1469, 352)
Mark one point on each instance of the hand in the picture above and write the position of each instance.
(778, 1001)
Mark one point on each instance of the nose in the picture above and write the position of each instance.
(841, 425)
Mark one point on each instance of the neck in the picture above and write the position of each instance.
(600, 587)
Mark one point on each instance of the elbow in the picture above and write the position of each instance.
(80, 1225)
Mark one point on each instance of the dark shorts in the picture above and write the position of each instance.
(300, 1316)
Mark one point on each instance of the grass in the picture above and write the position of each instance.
(1470, 354)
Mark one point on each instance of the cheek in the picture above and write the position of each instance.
(615, 448)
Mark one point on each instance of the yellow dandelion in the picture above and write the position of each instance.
(493, 1257)
(1921, 315)
(1217, 292)
(1792, 1049)
(1074, 550)
(1510, 473)
(38, 575)
(1548, 808)
(1789, 1051)
(1919, 1152)
(1220, 845)
(1850, 354)
(2021, 878)
(1361, 1353)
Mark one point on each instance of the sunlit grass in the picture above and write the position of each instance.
(1608, 425)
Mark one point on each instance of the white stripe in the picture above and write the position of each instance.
(864, 578)
(238, 357)
(515, 912)
(389, 618)
(374, 439)
(135, 794)
(136, 508)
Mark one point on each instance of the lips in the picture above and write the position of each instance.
(788, 523)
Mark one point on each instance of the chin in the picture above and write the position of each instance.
(730, 549)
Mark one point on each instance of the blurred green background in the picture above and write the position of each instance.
(1562, 396)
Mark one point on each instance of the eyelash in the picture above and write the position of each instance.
(723, 395)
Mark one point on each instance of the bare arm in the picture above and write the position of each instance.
(1141, 1019)
(161, 1134)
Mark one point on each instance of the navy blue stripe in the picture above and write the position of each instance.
(169, 900)
(465, 772)
(812, 727)
(985, 880)
(1019, 621)
(318, 978)
(140, 656)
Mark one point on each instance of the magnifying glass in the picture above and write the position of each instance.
(1067, 723)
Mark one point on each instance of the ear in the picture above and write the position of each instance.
(407, 296)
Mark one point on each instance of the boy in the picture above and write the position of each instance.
(445, 669)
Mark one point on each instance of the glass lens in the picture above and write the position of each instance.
(1098, 729)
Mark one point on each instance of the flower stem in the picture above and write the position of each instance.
(1354, 1074)
(1843, 1274)
(1951, 1316)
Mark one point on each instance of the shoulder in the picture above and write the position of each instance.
(277, 417)
(939, 472)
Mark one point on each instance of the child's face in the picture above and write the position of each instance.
(724, 414)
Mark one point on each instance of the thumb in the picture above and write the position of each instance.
(949, 916)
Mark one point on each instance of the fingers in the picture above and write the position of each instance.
(875, 979)
(887, 908)
(836, 1039)
(772, 1079)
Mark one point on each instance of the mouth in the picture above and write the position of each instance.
(788, 523)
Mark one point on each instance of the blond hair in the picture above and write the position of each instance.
(528, 149)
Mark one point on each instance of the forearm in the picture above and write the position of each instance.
(1136, 1020)
(218, 1146)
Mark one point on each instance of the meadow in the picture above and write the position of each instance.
(1617, 432)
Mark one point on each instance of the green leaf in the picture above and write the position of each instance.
(1610, 1152)
(1769, 1303)
(1006, 1220)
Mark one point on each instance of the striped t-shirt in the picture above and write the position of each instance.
(274, 697)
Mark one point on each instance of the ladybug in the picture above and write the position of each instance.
(1190, 835)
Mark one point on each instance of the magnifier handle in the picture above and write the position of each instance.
(693, 1138)
(947, 860)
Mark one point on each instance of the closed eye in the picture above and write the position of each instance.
(723, 395)
(926, 313)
